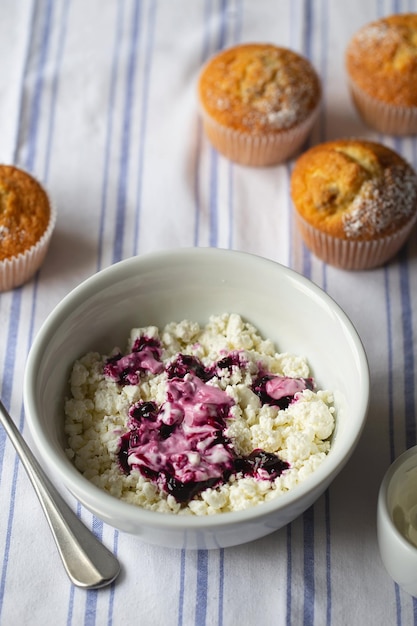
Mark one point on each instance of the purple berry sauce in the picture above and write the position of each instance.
(181, 445)
(280, 390)
(145, 355)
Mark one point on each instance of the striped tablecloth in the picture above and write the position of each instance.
(97, 99)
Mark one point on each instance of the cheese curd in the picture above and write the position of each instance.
(107, 391)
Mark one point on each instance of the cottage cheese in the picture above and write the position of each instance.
(243, 440)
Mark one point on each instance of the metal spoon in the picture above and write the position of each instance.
(87, 562)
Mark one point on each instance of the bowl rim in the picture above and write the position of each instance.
(92, 496)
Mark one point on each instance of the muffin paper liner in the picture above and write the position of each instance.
(349, 254)
(385, 118)
(258, 150)
(18, 269)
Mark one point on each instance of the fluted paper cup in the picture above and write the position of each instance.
(258, 149)
(385, 118)
(353, 254)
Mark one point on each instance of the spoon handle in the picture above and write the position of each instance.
(88, 563)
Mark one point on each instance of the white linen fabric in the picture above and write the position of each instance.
(98, 100)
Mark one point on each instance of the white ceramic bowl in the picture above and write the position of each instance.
(192, 284)
(397, 521)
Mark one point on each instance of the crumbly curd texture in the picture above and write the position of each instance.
(97, 414)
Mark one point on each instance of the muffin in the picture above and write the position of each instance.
(27, 220)
(355, 202)
(258, 102)
(381, 63)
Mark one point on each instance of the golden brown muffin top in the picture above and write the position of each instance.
(381, 59)
(354, 189)
(24, 211)
(258, 88)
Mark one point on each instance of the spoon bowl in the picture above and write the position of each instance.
(88, 563)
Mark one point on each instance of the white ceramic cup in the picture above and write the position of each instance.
(397, 521)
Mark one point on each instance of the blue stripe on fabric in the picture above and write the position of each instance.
(36, 104)
(288, 619)
(90, 607)
(221, 587)
(306, 267)
(213, 198)
(10, 358)
(291, 255)
(29, 45)
(307, 51)
(230, 205)
(197, 200)
(143, 120)
(236, 35)
(97, 527)
(126, 134)
(223, 25)
(109, 130)
(214, 221)
(8, 538)
(288, 167)
(325, 9)
(92, 595)
(410, 425)
(237, 31)
(293, 24)
(113, 585)
(328, 560)
(202, 579)
(307, 28)
(389, 366)
(54, 86)
(70, 605)
(182, 590)
(397, 604)
(309, 587)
